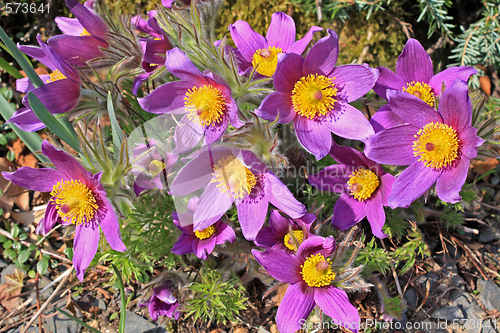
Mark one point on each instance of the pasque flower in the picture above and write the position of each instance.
(154, 49)
(312, 282)
(234, 176)
(364, 188)
(84, 36)
(60, 93)
(162, 303)
(414, 75)
(204, 98)
(255, 51)
(278, 235)
(200, 242)
(316, 95)
(77, 198)
(438, 145)
(151, 167)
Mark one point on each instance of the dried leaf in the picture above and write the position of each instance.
(11, 288)
(15, 281)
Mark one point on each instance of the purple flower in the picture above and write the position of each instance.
(414, 75)
(169, 3)
(316, 95)
(204, 98)
(364, 188)
(60, 93)
(278, 236)
(153, 49)
(438, 146)
(234, 176)
(162, 303)
(77, 198)
(255, 51)
(311, 280)
(201, 242)
(151, 169)
(83, 37)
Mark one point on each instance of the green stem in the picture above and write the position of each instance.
(123, 306)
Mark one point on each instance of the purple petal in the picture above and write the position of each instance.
(166, 98)
(38, 54)
(288, 72)
(341, 123)
(335, 303)
(212, 205)
(26, 120)
(266, 238)
(316, 244)
(49, 220)
(448, 76)
(299, 46)
(412, 184)
(91, 22)
(315, 137)
(455, 106)
(280, 265)
(224, 234)
(376, 215)
(277, 105)
(69, 26)
(184, 245)
(139, 79)
(203, 247)
(65, 163)
(24, 85)
(246, 39)
(280, 196)
(386, 183)
(164, 294)
(187, 135)
(252, 211)
(279, 224)
(85, 247)
(469, 141)
(42, 180)
(322, 57)
(111, 227)
(353, 81)
(392, 146)
(349, 156)
(295, 307)
(215, 131)
(333, 178)
(59, 96)
(384, 118)
(387, 80)
(412, 109)
(347, 212)
(155, 51)
(281, 31)
(181, 66)
(414, 64)
(449, 184)
(77, 49)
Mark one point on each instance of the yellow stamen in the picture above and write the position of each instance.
(155, 167)
(75, 202)
(421, 90)
(289, 241)
(205, 105)
(316, 271)
(233, 177)
(266, 60)
(56, 76)
(362, 184)
(205, 233)
(85, 32)
(313, 95)
(437, 145)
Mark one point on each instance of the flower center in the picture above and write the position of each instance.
(290, 242)
(205, 105)
(56, 76)
(233, 177)
(313, 95)
(362, 183)
(316, 271)
(74, 201)
(266, 60)
(436, 144)
(155, 167)
(421, 90)
(205, 233)
(85, 32)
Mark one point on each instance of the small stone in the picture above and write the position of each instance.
(448, 313)
(489, 234)
(262, 329)
(431, 277)
(3, 264)
(61, 324)
(489, 326)
(274, 329)
(489, 294)
(135, 323)
(411, 298)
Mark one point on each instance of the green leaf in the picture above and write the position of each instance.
(24, 255)
(32, 274)
(117, 131)
(68, 252)
(3, 140)
(42, 266)
(11, 155)
(14, 231)
(21, 59)
(113, 316)
(52, 123)
(10, 69)
(32, 140)
(32, 247)
(9, 253)
(16, 245)
(3, 239)
(23, 236)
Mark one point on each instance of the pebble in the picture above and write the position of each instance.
(135, 323)
(489, 294)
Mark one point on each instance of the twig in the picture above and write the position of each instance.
(471, 256)
(59, 287)
(428, 287)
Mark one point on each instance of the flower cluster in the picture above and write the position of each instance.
(223, 103)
